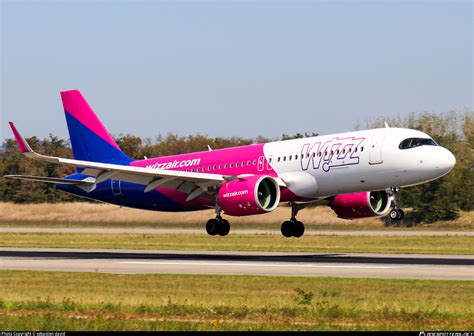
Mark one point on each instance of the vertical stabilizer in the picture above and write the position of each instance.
(90, 139)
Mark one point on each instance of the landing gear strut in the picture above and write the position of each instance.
(218, 226)
(293, 227)
(396, 213)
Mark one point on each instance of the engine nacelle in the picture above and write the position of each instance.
(362, 204)
(249, 195)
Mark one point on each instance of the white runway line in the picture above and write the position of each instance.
(253, 265)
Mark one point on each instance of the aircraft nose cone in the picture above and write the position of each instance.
(446, 161)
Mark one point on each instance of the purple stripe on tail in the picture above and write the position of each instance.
(75, 104)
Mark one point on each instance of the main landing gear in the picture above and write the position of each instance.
(218, 226)
(293, 227)
(396, 213)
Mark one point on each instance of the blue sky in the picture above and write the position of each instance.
(233, 68)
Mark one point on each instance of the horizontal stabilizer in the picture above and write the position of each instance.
(54, 180)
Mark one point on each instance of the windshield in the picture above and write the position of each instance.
(416, 142)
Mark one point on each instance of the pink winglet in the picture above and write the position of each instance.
(76, 105)
(24, 147)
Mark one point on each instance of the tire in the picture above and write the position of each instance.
(298, 229)
(212, 226)
(286, 229)
(394, 214)
(224, 227)
(401, 214)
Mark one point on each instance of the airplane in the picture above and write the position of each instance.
(360, 173)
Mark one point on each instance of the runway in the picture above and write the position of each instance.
(309, 232)
(402, 266)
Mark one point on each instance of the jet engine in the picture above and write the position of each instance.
(249, 195)
(362, 204)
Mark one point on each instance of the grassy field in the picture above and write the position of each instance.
(106, 215)
(247, 242)
(94, 301)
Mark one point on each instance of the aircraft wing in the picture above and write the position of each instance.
(193, 183)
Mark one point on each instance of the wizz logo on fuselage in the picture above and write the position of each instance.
(334, 153)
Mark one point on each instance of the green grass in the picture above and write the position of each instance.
(247, 242)
(94, 301)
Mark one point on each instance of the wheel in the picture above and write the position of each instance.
(298, 229)
(394, 214)
(286, 229)
(401, 214)
(224, 227)
(212, 227)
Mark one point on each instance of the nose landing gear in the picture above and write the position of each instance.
(293, 227)
(396, 213)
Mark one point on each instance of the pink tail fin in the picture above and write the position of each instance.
(89, 138)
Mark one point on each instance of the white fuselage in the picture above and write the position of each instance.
(356, 161)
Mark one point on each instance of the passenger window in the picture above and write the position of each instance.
(236, 164)
(248, 163)
(220, 166)
(284, 158)
(255, 161)
(215, 166)
(307, 155)
(197, 169)
(231, 165)
(278, 159)
(355, 150)
(289, 158)
(225, 166)
(296, 157)
(204, 168)
(362, 149)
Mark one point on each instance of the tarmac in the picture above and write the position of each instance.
(358, 265)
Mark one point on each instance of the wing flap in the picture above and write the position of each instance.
(55, 180)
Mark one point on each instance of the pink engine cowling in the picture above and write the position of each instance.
(362, 204)
(249, 195)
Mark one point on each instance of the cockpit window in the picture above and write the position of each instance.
(416, 142)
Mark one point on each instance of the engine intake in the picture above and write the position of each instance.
(362, 204)
(249, 195)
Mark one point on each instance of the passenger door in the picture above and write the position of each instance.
(116, 188)
(375, 151)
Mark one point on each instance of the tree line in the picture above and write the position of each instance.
(441, 199)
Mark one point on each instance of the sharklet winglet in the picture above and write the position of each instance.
(20, 140)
